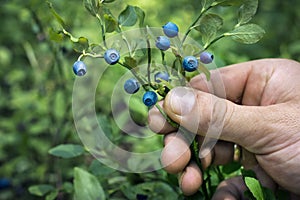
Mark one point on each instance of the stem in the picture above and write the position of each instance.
(192, 26)
(213, 41)
(149, 61)
(169, 120)
(164, 61)
(102, 29)
(143, 82)
(126, 41)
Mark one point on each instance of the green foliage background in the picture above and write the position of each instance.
(36, 82)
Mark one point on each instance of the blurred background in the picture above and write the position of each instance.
(36, 83)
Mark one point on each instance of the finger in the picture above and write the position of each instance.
(157, 123)
(230, 189)
(247, 83)
(191, 179)
(250, 126)
(176, 153)
(215, 153)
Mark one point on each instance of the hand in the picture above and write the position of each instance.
(261, 113)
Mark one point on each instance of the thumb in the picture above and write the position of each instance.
(211, 116)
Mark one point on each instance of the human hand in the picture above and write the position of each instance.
(261, 113)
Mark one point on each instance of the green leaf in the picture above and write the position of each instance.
(154, 190)
(247, 34)
(59, 105)
(52, 195)
(228, 2)
(231, 167)
(248, 173)
(255, 188)
(40, 190)
(68, 187)
(55, 36)
(128, 17)
(92, 6)
(247, 11)
(269, 194)
(208, 26)
(141, 15)
(206, 3)
(111, 23)
(108, 1)
(67, 150)
(87, 186)
(130, 62)
(56, 15)
(80, 44)
(137, 110)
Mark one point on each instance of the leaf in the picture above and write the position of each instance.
(231, 167)
(269, 194)
(141, 15)
(67, 150)
(206, 3)
(247, 11)
(208, 26)
(87, 186)
(137, 110)
(130, 62)
(80, 44)
(254, 187)
(154, 190)
(128, 17)
(247, 34)
(228, 2)
(111, 23)
(92, 6)
(56, 15)
(40, 190)
(52, 195)
(108, 1)
(55, 36)
(59, 105)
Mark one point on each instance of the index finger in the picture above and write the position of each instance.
(242, 83)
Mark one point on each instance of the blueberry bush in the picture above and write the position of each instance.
(46, 46)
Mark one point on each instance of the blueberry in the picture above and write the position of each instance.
(161, 76)
(111, 56)
(163, 43)
(206, 57)
(150, 98)
(190, 63)
(79, 68)
(131, 86)
(170, 29)
(4, 183)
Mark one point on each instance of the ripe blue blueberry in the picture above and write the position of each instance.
(206, 57)
(190, 63)
(161, 76)
(163, 43)
(111, 56)
(79, 68)
(150, 98)
(131, 86)
(5, 183)
(170, 29)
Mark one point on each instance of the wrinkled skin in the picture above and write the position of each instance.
(261, 113)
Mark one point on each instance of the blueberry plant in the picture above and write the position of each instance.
(178, 69)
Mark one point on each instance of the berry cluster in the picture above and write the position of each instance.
(132, 85)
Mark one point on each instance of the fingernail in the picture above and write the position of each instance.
(181, 100)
